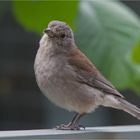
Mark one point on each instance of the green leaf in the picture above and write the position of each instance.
(107, 31)
(136, 53)
(35, 15)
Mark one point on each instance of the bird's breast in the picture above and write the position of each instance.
(46, 68)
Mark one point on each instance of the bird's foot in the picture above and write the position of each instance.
(70, 126)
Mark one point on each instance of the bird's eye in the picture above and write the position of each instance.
(63, 36)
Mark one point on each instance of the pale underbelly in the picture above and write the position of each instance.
(72, 96)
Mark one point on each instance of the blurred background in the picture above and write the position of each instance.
(107, 31)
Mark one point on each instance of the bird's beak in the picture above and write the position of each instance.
(49, 32)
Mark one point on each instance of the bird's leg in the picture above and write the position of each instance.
(73, 125)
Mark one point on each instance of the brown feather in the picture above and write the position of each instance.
(88, 73)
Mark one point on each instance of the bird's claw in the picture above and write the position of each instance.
(69, 126)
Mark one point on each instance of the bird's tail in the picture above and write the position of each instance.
(129, 108)
(122, 104)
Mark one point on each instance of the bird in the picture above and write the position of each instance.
(70, 80)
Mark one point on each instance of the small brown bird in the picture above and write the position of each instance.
(69, 79)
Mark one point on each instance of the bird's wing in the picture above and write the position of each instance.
(88, 74)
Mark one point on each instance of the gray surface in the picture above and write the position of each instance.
(114, 132)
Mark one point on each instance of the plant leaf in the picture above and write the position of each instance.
(35, 15)
(107, 31)
(136, 53)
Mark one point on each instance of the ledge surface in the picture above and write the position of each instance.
(106, 132)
